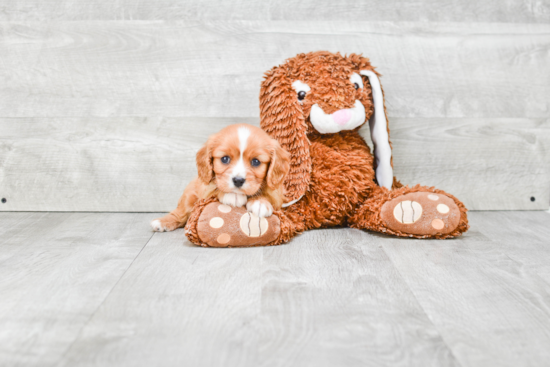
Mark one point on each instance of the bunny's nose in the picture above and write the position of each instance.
(341, 117)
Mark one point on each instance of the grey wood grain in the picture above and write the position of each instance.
(526, 235)
(143, 164)
(330, 298)
(178, 305)
(77, 291)
(12, 223)
(489, 164)
(214, 68)
(333, 298)
(54, 273)
(490, 298)
(390, 10)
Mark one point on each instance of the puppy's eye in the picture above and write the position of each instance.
(301, 95)
(226, 159)
(356, 85)
(255, 162)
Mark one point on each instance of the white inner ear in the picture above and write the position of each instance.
(379, 133)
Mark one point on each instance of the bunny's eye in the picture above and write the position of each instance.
(226, 159)
(356, 81)
(301, 89)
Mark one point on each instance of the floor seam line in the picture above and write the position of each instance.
(422, 307)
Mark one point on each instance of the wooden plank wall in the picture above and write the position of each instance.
(104, 104)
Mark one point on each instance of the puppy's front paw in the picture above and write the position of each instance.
(163, 225)
(157, 227)
(236, 200)
(168, 223)
(260, 207)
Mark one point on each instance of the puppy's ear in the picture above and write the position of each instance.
(378, 123)
(278, 167)
(204, 163)
(281, 116)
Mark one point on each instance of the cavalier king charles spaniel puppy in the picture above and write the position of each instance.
(239, 165)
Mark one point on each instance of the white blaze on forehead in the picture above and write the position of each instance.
(240, 170)
(243, 133)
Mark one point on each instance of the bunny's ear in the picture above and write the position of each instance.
(378, 123)
(281, 116)
(379, 133)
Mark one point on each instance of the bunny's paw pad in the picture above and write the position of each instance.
(221, 225)
(421, 214)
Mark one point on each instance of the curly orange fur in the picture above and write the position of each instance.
(333, 172)
(332, 175)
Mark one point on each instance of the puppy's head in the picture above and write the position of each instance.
(323, 93)
(243, 159)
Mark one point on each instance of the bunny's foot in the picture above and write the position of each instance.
(218, 225)
(419, 212)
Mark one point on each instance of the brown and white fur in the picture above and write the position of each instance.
(240, 165)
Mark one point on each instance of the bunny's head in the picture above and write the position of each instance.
(323, 93)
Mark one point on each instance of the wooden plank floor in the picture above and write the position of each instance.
(100, 289)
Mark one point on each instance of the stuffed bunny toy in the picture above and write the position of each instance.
(314, 105)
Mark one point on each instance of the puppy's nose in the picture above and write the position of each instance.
(238, 181)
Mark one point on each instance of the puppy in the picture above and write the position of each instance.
(239, 165)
